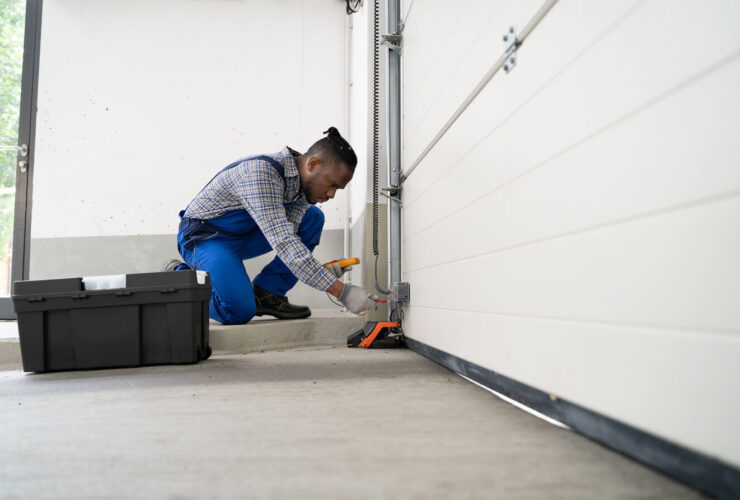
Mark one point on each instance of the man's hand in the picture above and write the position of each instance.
(357, 300)
(333, 267)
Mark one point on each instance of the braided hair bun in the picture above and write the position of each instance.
(341, 147)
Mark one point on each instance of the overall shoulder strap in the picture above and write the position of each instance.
(272, 161)
(269, 159)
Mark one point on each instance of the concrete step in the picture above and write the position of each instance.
(323, 328)
(269, 334)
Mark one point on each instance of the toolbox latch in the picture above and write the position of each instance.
(33, 300)
(168, 290)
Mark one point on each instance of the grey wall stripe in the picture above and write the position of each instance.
(692, 468)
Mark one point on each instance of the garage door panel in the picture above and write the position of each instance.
(428, 29)
(630, 170)
(406, 8)
(573, 106)
(656, 271)
(434, 60)
(511, 90)
(577, 228)
(432, 97)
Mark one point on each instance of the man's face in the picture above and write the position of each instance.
(323, 179)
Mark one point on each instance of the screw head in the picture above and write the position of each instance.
(511, 29)
(506, 67)
(513, 61)
(505, 38)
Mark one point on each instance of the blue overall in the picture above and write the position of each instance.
(219, 246)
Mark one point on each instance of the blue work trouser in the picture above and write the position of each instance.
(232, 298)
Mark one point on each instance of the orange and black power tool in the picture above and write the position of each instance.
(377, 334)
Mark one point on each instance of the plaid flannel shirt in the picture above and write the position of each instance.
(276, 206)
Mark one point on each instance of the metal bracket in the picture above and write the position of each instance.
(511, 44)
(393, 192)
(392, 41)
(397, 200)
(22, 149)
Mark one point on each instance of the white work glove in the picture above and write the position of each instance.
(338, 272)
(357, 300)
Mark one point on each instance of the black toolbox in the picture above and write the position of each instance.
(152, 319)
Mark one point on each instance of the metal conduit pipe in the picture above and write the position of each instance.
(394, 149)
(544, 9)
(347, 133)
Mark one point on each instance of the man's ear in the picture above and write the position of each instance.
(313, 164)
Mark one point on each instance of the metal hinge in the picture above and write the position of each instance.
(511, 44)
(23, 151)
(393, 192)
(391, 40)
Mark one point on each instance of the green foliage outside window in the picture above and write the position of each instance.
(12, 13)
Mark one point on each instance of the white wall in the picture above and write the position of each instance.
(358, 136)
(142, 102)
(578, 228)
(361, 138)
(362, 117)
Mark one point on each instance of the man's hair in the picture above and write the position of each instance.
(334, 148)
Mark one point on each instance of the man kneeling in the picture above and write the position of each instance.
(264, 203)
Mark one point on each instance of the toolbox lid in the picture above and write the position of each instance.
(167, 278)
(47, 286)
(127, 281)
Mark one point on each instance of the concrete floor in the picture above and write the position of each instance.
(313, 423)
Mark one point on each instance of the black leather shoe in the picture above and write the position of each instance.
(278, 306)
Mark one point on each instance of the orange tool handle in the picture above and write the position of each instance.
(345, 262)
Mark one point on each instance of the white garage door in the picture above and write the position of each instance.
(578, 227)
